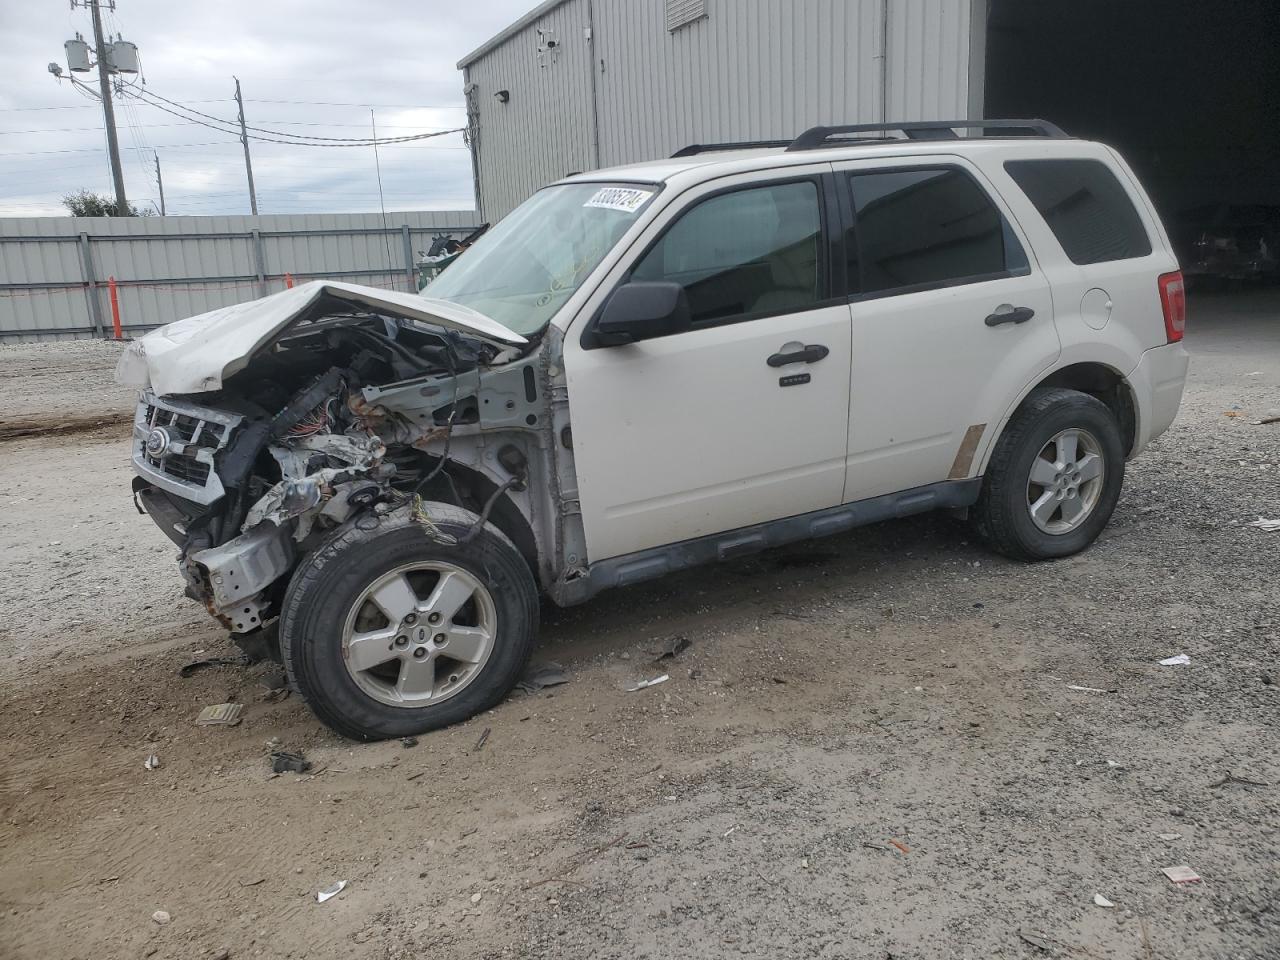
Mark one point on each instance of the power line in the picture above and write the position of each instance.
(186, 123)
(277, 136)
(332, 103)
(44, 153)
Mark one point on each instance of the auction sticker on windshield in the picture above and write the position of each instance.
(626, 199)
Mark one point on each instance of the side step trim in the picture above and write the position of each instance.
(644, 565)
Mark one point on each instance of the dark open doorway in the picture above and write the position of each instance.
(1188, 91)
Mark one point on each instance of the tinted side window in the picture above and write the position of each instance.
(1085, 207)
(926, 227)
(747, 253)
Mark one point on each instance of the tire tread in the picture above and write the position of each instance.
(1002, 493)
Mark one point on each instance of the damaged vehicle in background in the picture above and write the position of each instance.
(1230, 243)
(648, 368)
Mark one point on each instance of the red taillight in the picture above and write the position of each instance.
(1173, 301)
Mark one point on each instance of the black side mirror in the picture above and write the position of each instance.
(641, 311)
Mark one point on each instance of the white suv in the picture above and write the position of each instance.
(650, 367)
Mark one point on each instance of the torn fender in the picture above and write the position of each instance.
(197, 354)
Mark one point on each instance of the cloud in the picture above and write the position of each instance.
(312, 67)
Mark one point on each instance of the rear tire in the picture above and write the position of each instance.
(1054, 477)
(370, 653)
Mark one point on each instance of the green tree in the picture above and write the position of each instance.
(86, 203)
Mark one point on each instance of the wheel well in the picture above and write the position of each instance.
(470, 490)
(1106, 385)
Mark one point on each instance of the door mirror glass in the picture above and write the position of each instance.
(641, 311)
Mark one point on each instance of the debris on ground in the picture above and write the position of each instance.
(408, 742)
(580, 862)
(220, 715)
(1181, 874)
(674, 646)
(1170, 837)
(1037, 940)
(1232, 778)
(477, 897)
(484, 736)
(152, 762)
(549, 674)
(1181, 660)
(900, 845)
(331, 891)
(1072, 686)
(1266, 420)
(188, 669)
(284, 762)
(1270, 526)
(1102, 901)
(641, 684)
(161, 917)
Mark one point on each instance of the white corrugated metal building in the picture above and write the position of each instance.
(1178, 85)
(673, 72)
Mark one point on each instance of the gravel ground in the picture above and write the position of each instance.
(67, 385)
(872, 747)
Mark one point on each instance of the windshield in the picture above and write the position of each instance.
(525, 268)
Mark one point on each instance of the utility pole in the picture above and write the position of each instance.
(244, 139)
(108, 110)
(159, 181)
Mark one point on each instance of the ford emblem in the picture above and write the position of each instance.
(157, 441)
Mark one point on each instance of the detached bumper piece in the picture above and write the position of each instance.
(241, 569)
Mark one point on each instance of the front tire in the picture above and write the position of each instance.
(395, 626)
(1054, 477)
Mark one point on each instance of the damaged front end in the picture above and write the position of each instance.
(345, 401)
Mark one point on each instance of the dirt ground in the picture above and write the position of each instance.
(875, 746)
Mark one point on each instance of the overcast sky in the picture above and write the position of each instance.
(313, 67)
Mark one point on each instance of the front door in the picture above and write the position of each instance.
(744, 417)
(950, 318)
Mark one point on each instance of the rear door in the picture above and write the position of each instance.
(950, 316)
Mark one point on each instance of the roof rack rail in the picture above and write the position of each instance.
(816, 138)
(694, 149)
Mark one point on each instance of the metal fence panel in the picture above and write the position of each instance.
(54, 270)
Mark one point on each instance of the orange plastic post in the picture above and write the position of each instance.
(115, 308)
(288, 281)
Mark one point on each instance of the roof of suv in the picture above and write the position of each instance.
(710, 165)
(716, 161)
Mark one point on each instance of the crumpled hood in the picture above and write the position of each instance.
(195, 355)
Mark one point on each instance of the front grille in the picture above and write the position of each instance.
(187, 429)
(185, 466)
